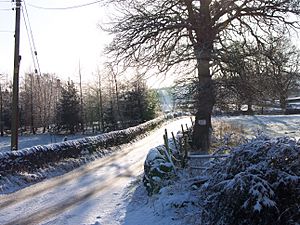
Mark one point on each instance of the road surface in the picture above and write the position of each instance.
(88, 194)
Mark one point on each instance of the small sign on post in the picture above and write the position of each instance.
(202, 122)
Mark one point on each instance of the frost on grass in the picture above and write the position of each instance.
(257, 184)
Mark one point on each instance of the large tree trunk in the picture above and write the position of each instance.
(283, 103)
(206, 100)
(203, 47)
(250, 110)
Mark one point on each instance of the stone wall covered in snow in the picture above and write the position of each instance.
(29, 159)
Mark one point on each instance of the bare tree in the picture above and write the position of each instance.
(100, 101)
(82, 116)
(5, 103)
(180, 32)
(283, 68)
(30, 102)
(259, 74)
(243, 75)
(94, 99)
(1, 111)
(39, 97)
(113, 72)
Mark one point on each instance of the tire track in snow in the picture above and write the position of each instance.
(56, 209)
(42, 187)
(21, 204)
(22, 195)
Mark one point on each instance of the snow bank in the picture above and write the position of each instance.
(28, 159)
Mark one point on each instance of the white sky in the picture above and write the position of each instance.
(62, 38)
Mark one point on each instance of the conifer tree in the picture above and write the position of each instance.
(68, 112)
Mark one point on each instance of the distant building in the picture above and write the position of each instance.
(293, 105)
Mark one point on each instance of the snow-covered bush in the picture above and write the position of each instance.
(157, 169)
(259, 183)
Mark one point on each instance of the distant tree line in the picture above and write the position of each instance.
(249, 74)
(49, 104)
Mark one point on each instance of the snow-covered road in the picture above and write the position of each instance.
(90, 194)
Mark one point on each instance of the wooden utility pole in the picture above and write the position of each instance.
(15, 100)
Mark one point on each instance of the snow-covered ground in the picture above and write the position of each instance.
(27, 140)
(96, 193)
(109, 191)
(271, 125)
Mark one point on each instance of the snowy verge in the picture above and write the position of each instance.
(176, 204)
(29, 159)
(258, 183)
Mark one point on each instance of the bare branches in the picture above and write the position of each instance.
(168, 32)
(151, 38)
(265, 15)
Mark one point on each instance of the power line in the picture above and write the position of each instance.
(31, 40)
(65, 8)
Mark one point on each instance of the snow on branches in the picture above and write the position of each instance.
(257, 184)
